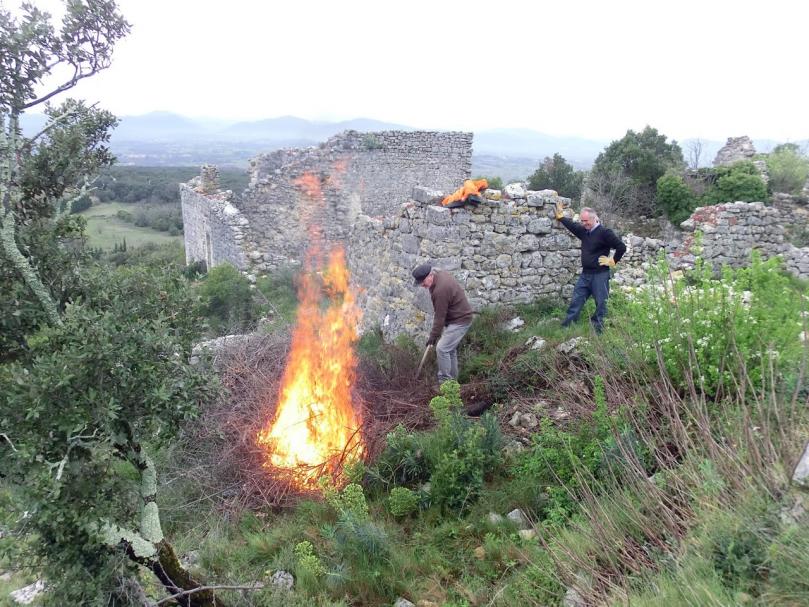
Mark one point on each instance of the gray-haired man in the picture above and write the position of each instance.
(452, 317)
(596, 243)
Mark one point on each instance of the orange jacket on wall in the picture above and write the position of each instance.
(470, 187)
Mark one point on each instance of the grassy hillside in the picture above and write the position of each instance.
(105, 229)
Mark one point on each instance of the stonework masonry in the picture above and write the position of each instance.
(356, 173)
(382, 193)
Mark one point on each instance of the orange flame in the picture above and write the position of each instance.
(315, 426)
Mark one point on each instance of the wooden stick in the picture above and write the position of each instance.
(423, 358)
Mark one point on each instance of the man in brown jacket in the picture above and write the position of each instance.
(452, 317)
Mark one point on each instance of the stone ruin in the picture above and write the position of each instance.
(734, 150)
(381, 198)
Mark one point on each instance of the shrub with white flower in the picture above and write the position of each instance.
(708, 328)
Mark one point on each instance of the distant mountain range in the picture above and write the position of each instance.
(164, 138)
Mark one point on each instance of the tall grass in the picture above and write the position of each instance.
(711, 375)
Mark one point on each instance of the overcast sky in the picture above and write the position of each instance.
(708, 68)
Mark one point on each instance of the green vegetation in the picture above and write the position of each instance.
(788, 169)
(628, 169)
(675, 198)
(557, 174)
(739, 181)
(157, 185)
(107, 227)
(659, 471)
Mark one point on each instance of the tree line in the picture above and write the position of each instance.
(646, 174)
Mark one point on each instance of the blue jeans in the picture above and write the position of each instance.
(597, 285)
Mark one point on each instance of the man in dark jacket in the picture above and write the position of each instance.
(452, 317)
(596, 243)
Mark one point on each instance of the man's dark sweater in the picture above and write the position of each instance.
(594, 244)
(449, 303)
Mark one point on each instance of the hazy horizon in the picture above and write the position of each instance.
(578, 69)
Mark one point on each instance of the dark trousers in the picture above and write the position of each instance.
(597, 285)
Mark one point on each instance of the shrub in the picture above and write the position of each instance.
(705, 328)
(559, 460)
(674, 198)
(740, 181)
(460, 450)
(642, 158)
(308, 562)
(80, 204)
(788, 169)
(454, 457)
(402, 502)
(226, 300)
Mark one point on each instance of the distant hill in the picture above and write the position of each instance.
(169, 139)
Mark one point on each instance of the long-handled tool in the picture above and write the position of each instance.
(423, 358)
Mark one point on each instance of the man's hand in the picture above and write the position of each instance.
(431, 341)
(606, 261)
(559, 210)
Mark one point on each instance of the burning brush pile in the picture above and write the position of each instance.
(299, 405)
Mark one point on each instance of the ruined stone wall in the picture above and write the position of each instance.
(356, 173)
(731, 231)
(213, 229)
(512, 251)
(500, 251)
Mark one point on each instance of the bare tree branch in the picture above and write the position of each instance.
(169, 599)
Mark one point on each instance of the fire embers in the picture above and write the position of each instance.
(316, 427)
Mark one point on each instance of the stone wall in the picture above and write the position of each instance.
(356, 173)
(506, 251)
(731, 231)
(213, 228)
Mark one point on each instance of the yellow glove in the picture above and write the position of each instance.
(559, 210)
(606, 261)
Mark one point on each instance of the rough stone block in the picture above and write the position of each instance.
(426, 195)
(439, 215)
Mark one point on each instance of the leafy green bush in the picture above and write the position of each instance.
(96, 389)
(454, 456)
(740, 181)
(706, 328)
(788, 169)
(80, 204)
(55, 249)
(308, 562)
(737, 541)
(226, 300)
(460, 451)
(403, 462)
(402, 502)
(559, 460)
(674, 198)
(642, 158)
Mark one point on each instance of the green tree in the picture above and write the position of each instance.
(100, 381)
(557, 174)
(739, 181)
(788, 168)
(674, 198)
(41, 175)
(79, 418)
(639, 160)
